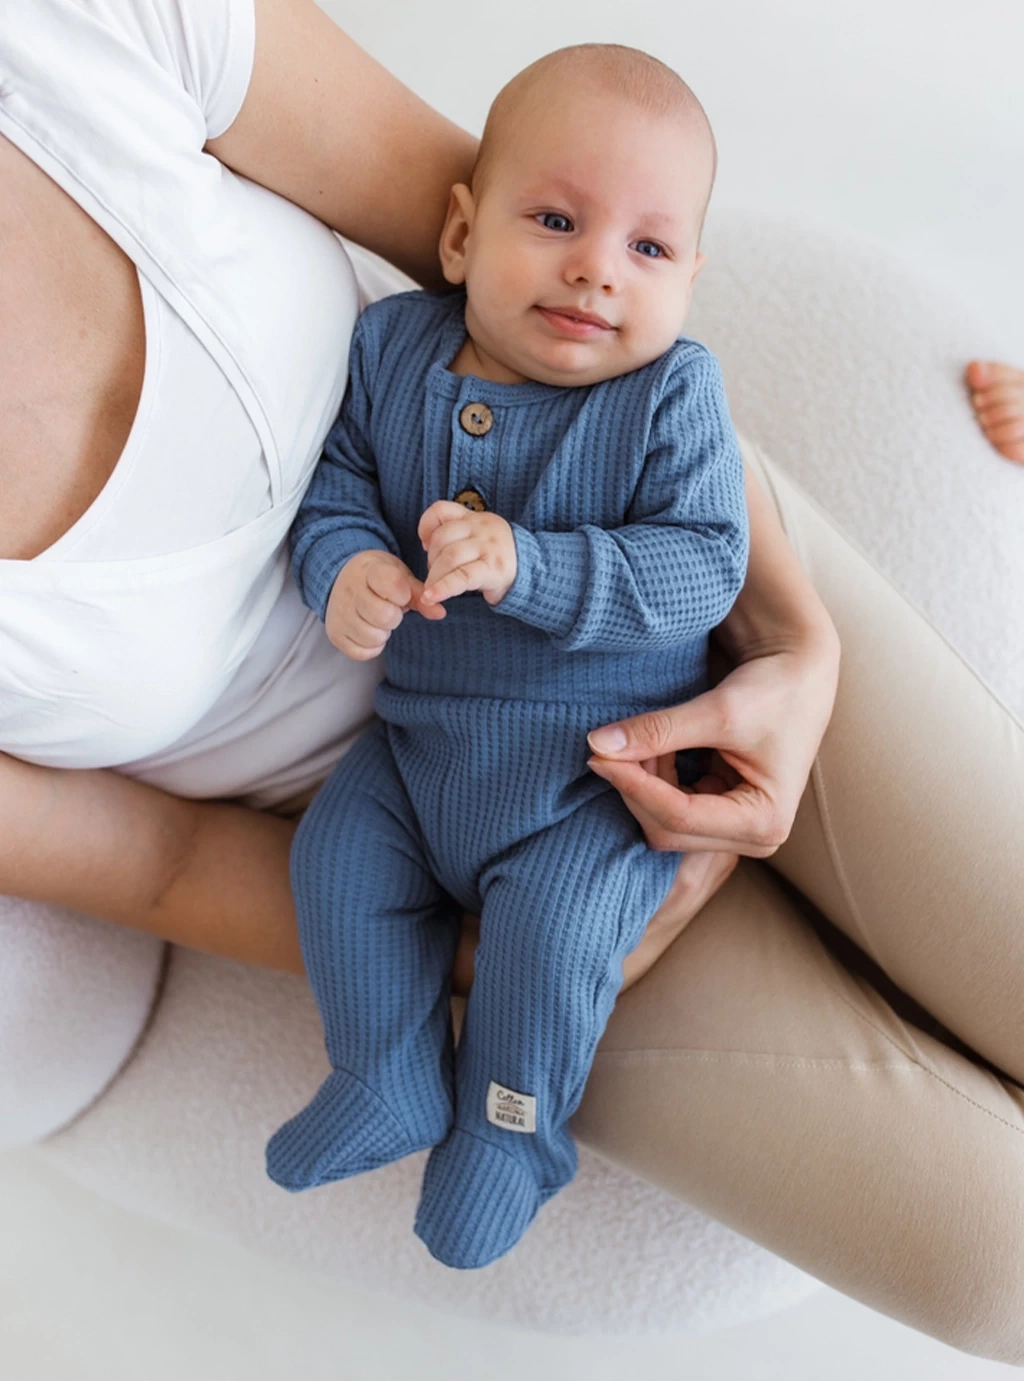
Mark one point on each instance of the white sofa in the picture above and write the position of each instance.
(153, 1075)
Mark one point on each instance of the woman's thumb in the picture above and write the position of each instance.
(656, 732)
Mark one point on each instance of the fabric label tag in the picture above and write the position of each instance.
(516, 1112)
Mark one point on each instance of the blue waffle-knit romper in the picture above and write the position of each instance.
(626, 500)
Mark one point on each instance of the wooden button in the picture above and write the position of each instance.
(476, 418)
(471, 498)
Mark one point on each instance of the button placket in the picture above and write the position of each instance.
(471, 458)
(476, 418)
(471, 498)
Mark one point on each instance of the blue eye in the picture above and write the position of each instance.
(554, 220)
(649, 249)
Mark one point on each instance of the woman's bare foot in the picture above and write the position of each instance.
(997, 396)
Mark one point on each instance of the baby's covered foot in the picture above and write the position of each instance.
(997, 396)
(346, 1129)
(476, 1202)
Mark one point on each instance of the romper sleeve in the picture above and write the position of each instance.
(340, 513)
(674, 569)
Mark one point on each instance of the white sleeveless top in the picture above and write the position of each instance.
(162, 634)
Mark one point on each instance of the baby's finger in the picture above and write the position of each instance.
(443, 511)
(363, 643)
(366, 635)
(456, 582)
(445, 536)
(429, 611)
(376, 611)
(390, 581)
(458, 554)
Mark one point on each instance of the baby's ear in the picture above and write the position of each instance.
(457, 226)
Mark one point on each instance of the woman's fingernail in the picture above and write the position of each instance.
(610, 740)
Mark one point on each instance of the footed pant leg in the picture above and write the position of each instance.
(378, 938)
(560, 912)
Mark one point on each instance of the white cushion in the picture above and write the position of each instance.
(846, 366)
(74, 995)
(233, 1051)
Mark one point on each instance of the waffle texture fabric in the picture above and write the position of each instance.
(627, 504)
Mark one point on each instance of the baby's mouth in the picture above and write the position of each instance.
(571, 322)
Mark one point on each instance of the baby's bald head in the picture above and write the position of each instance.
(595, 70)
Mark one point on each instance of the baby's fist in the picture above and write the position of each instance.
(369, 599)
(466, 550)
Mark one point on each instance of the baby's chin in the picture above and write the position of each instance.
(577, 364)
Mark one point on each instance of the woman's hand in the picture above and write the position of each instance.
(764, 721)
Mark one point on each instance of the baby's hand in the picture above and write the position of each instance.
(370, 597)
(466, 550)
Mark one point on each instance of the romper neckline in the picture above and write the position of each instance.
(443, 381)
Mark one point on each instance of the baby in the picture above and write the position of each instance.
(533, 504)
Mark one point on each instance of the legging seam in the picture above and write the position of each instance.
(754, 1057)
(747, 1057)
(918, 1061)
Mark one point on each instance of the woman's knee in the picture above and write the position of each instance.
(74, 996)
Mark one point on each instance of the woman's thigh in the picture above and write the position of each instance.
(910, 837)
(752, 1074)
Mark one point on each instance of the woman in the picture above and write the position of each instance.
(170, 342)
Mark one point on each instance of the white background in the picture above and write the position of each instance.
(903, 119)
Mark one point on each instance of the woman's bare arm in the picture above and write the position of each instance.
(778, 607)
(211, 876)
(326, 126)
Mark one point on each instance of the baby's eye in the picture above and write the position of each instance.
(649, 249)
(554, 220)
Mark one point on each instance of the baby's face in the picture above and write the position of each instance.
(580, 251)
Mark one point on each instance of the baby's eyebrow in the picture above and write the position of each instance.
(535, 191)
(659, 218)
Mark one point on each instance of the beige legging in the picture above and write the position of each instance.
(854, 1107)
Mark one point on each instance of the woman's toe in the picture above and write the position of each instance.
(995, 412)
(985, 373)
(977, 374)
(998, 401)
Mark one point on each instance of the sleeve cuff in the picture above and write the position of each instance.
(550, 583)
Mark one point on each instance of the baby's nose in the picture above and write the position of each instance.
(593, 269)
